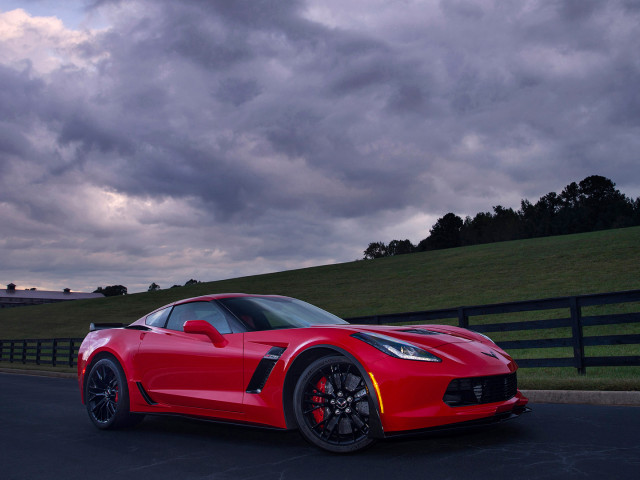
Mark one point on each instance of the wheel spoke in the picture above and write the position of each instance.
(328, 375)
(317, 393)
(331, 426)
(311, 403)
(337, 376)
(321, 423)
(345, 376)
(313, 409)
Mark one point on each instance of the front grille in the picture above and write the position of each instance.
(479, 390)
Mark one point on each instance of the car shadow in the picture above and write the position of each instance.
(184, 429)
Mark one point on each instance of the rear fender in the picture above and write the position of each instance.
(121, 344)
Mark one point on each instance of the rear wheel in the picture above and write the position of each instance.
(107, 396)
(332, 405)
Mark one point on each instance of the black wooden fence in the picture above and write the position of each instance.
(575, 320)
(57, 352)
(64, 351)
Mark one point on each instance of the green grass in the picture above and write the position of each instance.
(493, 273)
(596, 378)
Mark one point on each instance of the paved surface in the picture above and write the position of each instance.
(45, 433)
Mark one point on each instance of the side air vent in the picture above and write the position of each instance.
(263, 370)
(145, 395)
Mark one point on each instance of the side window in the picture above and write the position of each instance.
(158, 319)
(207, 311)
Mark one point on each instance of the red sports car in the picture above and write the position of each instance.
(280, 362)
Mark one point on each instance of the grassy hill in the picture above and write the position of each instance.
(499, 272)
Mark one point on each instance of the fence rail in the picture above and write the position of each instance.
(575, 320)
(64, 351)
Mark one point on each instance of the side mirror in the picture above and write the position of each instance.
(205, 328)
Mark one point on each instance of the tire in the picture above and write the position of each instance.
(332, 405)
(107, 396)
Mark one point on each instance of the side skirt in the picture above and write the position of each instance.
(220, 421)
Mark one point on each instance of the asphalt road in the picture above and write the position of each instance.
(45, 433)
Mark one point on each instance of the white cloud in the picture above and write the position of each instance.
(43, 44)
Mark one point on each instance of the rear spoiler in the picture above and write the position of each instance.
(104, 326)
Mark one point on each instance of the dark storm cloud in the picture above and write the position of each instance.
(242, 136)
(192, 50)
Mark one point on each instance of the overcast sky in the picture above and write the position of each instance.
(158, 141)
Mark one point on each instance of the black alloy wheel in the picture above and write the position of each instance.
(333, 406)
(106, 395)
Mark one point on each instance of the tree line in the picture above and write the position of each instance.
(154, 287)
(592, 204)
(115, 290)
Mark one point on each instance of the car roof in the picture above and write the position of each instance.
(218, 296)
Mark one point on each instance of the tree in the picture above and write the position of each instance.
(154, 287)
(112, 290)
(445, 233)
(506, 224)
(541, 219)
(191, 282)
(477, 230)
(375, 250)
(603, 205)
(570, 196)
(635, 219)
(400, 247)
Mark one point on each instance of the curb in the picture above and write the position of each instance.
(38, 373)
(587, 397)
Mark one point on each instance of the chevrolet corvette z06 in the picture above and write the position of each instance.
(279, 362)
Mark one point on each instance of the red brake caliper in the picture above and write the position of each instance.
(318, 414)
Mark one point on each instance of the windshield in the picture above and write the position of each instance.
(268, 313)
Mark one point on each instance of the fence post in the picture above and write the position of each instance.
(463, 319)
(38, 351)
(24, 351)
(71, 349)
(578, 343)
(11, 349)
(54, 351)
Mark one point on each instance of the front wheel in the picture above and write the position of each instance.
(332, 405)
(107, 396)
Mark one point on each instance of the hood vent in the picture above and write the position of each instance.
(421, 331)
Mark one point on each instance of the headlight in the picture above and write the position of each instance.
(395, 347)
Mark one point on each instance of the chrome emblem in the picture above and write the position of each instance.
(490, 354)
(477, 391)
